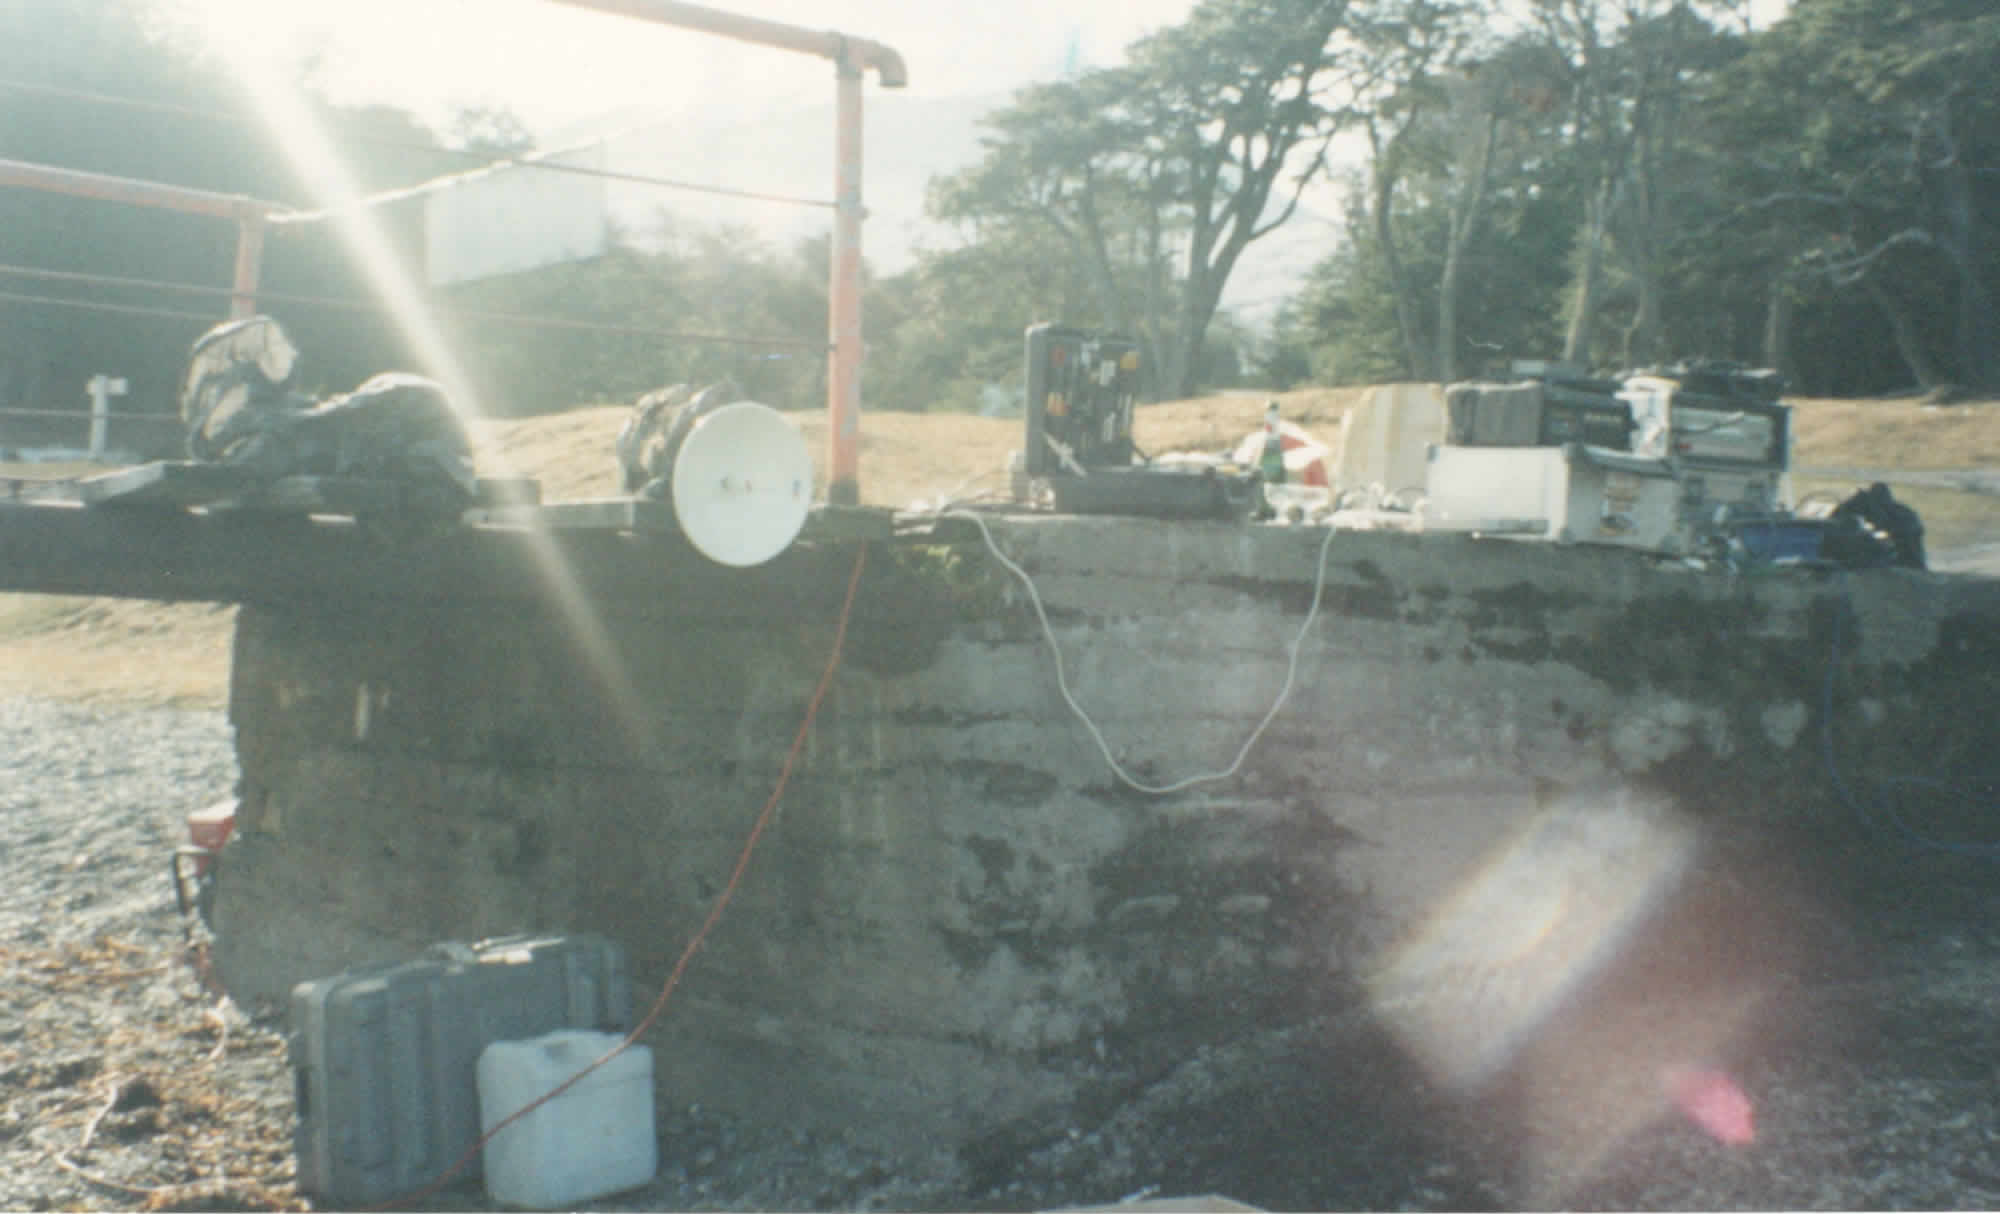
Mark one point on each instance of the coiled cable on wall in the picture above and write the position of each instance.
(1096, 734)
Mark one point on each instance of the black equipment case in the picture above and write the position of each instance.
(1156, 491)
(1538, 413)
(1081, 387)
(384, 1058)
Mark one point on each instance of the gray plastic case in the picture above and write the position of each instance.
(384, 1058)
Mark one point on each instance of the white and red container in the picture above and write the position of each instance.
(193, 863)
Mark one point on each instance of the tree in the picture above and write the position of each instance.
(1454, 240)
(55, 334)
(1476, 113)
(119, 89)
(1822, 195)
(1411, 49)
(951, 327)
(1889, 185)
(685, 305)
(1155, 176)
(1631, 69)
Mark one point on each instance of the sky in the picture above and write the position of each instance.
(719, 111)
(728, 111)
(553, 63)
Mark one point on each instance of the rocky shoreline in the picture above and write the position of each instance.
(128, 1082)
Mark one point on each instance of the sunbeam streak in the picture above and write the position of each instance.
(1566, 988)
(311, 155)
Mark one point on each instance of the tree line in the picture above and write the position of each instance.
(1615, 183)
(1624, 184)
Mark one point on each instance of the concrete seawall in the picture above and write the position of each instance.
(959, 915)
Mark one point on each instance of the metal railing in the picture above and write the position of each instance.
(851, 57)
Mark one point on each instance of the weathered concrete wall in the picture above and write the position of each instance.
(959, 915)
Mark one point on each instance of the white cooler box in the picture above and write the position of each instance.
(1569, 494)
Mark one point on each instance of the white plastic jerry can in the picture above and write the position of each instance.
(593, 1139)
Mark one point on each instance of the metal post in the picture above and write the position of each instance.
(249, 262)
(851, 57)
(843, 380)
(102, 389)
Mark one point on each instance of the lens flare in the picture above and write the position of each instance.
(1592, 983)
(1714, 1101)
(311, 154)
(1546, 911)
(1575, 989)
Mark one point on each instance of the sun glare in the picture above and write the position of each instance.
(549, 64)
(1594, 975)
(294, 128)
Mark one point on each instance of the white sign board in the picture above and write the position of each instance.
(515, 219)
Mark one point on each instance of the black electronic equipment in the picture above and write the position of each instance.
(1582, 413)
(1539, 410)
(1081, 390)
(1725, 414)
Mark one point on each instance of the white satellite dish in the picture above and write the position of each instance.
(742, 484)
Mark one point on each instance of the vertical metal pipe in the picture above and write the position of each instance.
(851, 57)
(843, 380)
(100, 389)
(249, 262)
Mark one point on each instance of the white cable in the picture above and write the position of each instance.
(1062, 676)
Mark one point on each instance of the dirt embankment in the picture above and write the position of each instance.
(177, 654)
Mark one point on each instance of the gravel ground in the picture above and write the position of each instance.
(125, 1082)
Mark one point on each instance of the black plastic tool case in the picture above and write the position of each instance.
(1170, 492)
(384, 1058)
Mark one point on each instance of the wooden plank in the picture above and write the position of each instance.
(585, 514)
(38, 489)
(356, 496)
(825, 524)
(177, 483)
(341, 495)
(264, 556)
(493, 491)
(837, 524)
(165, 483)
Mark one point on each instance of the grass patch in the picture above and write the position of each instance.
(28, 615)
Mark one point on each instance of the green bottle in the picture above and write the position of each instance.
(1272, 462)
